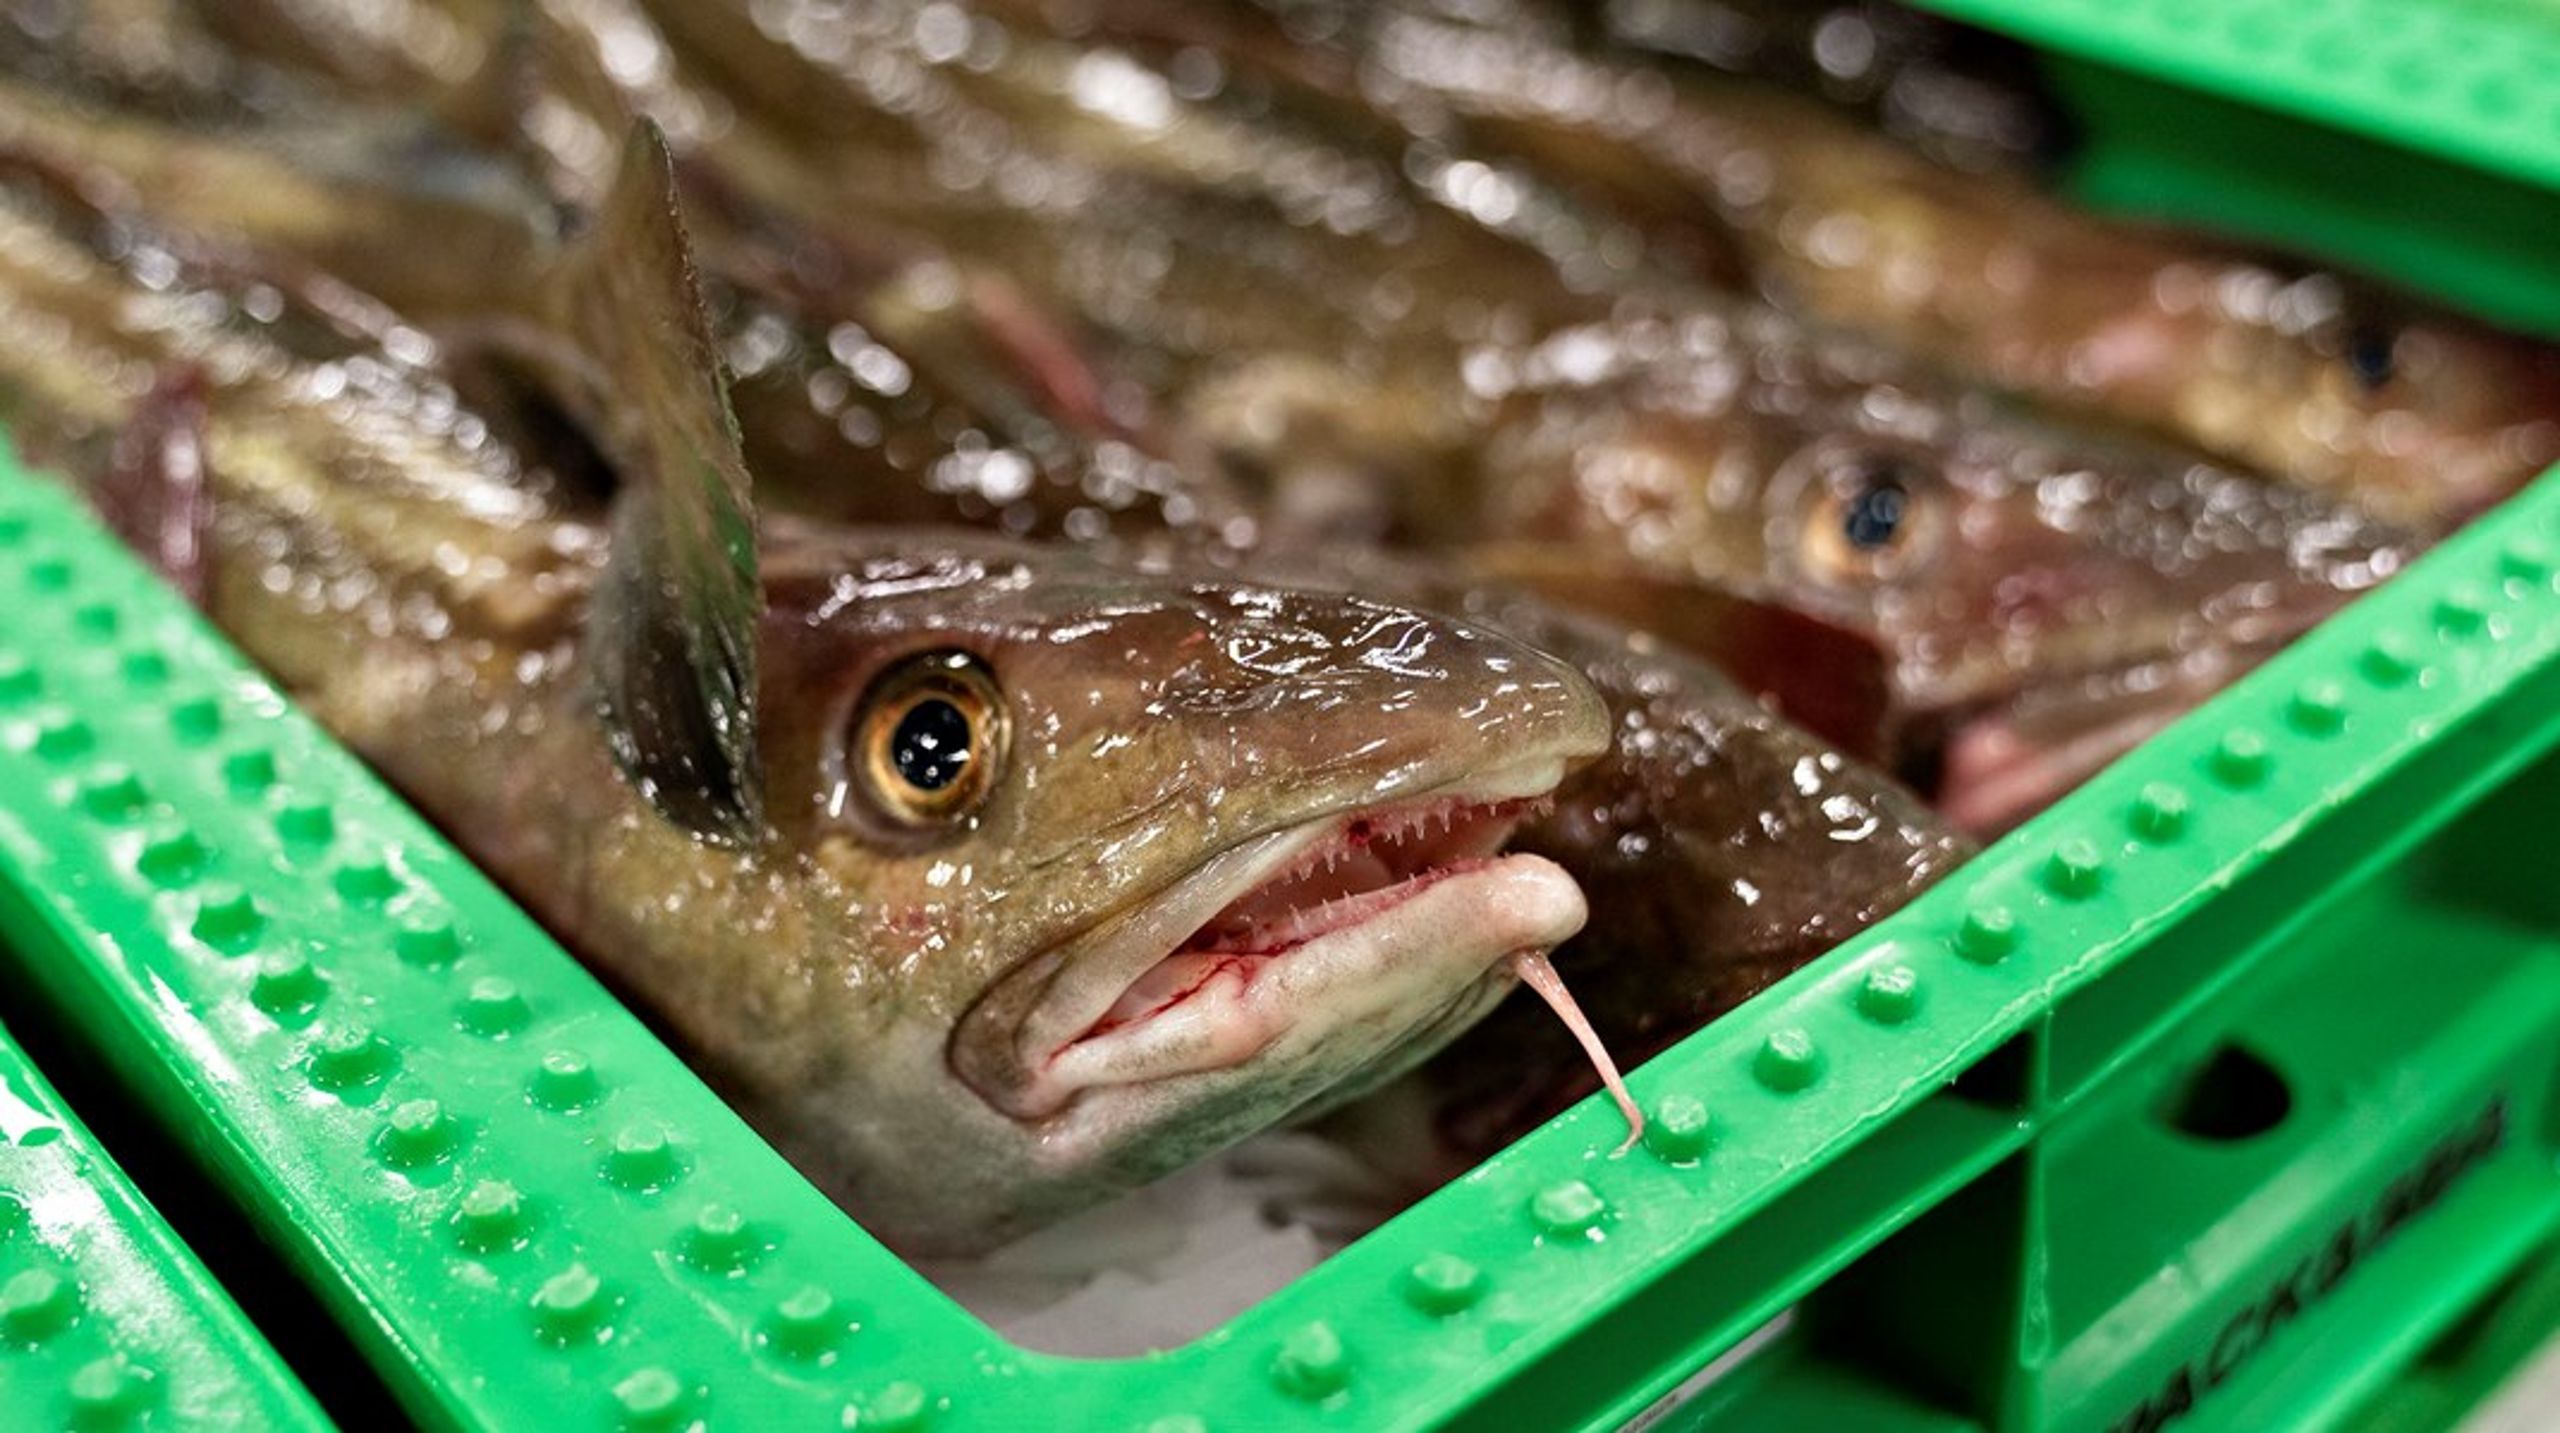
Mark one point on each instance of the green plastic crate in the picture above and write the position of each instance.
(105, 1318)
(2418, 139)
(2220, 1096)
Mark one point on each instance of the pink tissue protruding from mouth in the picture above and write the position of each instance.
(1374, 863)
(1539, 974)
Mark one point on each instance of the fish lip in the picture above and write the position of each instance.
(1951, 733)
(1991, 777)
(1023, 1078)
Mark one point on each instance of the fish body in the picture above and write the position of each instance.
(872, 385)
(159, 56)
(1736, 846)
(2308, 375)
(1439, 347)
(1475, 351)
(1999, 567)
(1060, 873)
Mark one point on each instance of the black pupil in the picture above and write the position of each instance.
(1874, 514)
(2369, 356)
(931, 744)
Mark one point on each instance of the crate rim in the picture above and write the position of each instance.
(1410, 1325)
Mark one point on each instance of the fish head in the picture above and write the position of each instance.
(2424, 416)
(2051, 603)
(1992, 566)
(1123, 866)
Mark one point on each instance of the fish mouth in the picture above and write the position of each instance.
(1358, 928)
(1990, 762)
(2002, 764)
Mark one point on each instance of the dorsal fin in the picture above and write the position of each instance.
(673, 624)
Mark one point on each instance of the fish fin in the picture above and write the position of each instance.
(673, 622)
(153, 493)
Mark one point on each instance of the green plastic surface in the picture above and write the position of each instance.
(105, 1319)
(2469, 1361)
(2469, 80)
(2007, 1157)
(2417, 140)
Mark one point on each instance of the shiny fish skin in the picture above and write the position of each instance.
(2027, 564)
(873, 386)
(1679, 818)
(1389, 357)
(1721, 846)
(396, 569)
(1686, 850)
(2422, 416)
(1375, 342)
(1660, 817)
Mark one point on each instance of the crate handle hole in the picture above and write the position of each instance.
(2233, 1096)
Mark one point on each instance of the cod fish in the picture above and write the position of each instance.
(1436, 335)
(1525, 412)
(871, 385)
(2042, 602)
(1735, 846)
(2308, 375)
(989, 879)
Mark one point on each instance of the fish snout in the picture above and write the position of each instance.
(1393, 698)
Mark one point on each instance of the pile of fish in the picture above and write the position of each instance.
(1049, 586)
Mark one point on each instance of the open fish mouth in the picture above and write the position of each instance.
(1355, 930)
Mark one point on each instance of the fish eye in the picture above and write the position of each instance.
(2372, 355)
(928, 739)
(1869, 518)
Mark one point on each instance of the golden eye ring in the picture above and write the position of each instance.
(928, 739)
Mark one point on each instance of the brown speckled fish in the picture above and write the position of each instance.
(2043, 601)
(1447, 349)
(1735, 846)
(2422, 416)
(871, 384)
(1721, 846)
(990, 879)
(1454, 340)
